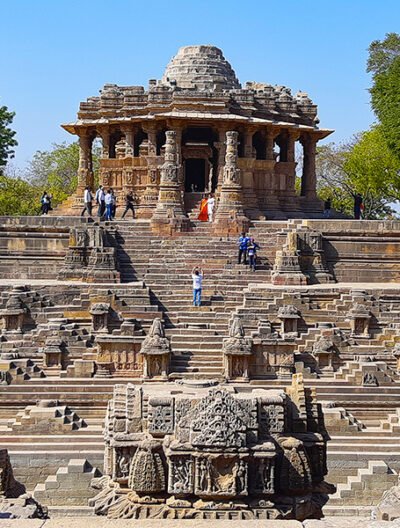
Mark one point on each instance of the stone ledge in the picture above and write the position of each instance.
(103, 522)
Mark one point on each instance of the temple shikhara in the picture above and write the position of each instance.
(278, 398)
(201, 101)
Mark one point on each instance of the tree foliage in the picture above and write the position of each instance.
(55, 171)
(18, 197)
(7, 136)
(364, 165)
(384, 64)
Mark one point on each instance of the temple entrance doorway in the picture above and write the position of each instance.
(195, 175)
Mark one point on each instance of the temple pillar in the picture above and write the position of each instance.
(169, 216)
(230, 217)
(151, 130)
(85, 174)
(220, 146)
(105, 139)
(181, 177)
(309, 180)
(129, 140)
(248, 143)
(250, 197)
(291, 141)
(270, 143)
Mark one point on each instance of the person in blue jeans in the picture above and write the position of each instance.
(108, 200)
(252, 253)
(243, 242)
(197, 276)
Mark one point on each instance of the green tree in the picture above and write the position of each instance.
(55, 170)
(18, 197)
(364, 165)
(7, 136)
(384, 64)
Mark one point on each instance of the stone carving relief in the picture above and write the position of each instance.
(219, 450)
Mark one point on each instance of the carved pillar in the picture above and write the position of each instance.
(230, 217)
(181, 176)
(129, 139)
(85, 155)
(220, 146)
(248, 143)
(151, 131)
(309, 180)
(169, 215)
(269, 143)
(105, 139)
(291, 139)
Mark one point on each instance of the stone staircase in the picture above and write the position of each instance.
(366, 487)
(70, 486)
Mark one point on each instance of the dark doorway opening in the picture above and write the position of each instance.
(195, 175)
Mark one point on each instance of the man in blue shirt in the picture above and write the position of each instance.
(243, 242)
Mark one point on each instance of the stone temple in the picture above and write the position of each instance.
(278, 399)
(200, 99)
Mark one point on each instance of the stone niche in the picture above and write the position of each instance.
(289, 316)
(99, 313)
(156, 351)
(14, 313)
(237, 351)
(213, 454)
(359, 317)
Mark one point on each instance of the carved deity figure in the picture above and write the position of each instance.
(231, 171)
(236, 329)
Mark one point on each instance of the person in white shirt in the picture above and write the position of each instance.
(108, 200)
(197, 276)
(210, 207)
(87, 200)
(99, 197)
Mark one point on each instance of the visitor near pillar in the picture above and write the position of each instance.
(113, 204)
(210, 207)
(45, 203)
(129, 201)
(243, 242)
(87, 201)
(327, 208)
(252, 253)
(203, 215)
(99, 197)
(108, 203)
(358, 206)
(197, 276)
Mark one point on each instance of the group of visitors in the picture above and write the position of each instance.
(106, 201)
(358, 207)
(207, 206)
(248, 250)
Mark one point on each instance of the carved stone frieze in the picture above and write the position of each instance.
(188, 452)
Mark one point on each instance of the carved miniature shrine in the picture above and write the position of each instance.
(213, 453)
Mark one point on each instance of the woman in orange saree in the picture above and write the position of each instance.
(203, 216)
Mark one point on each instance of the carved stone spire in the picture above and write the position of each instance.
(169, 215)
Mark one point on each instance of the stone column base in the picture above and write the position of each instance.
(288, 278)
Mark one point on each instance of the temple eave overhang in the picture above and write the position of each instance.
(81, 124)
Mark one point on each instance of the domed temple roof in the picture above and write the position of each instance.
(200, 68)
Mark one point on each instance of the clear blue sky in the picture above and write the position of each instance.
(56, 53)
